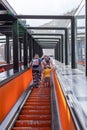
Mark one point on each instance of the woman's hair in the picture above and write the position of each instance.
(36, 56)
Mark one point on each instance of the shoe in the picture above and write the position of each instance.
(34, 85)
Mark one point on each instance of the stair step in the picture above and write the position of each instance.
(38, 96)
(32, 123)
(40, 100)
(37, 103)
(36, 108)
(35, 112)
(31, 128)
(34, 117)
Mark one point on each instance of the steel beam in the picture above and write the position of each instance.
(46, 28)
(48, 44)
(52, 47)
(43, 17)
(46, 34)
(46, 41)
(46, 38)
(7, 6)
(6, 17)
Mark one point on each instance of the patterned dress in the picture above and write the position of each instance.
(36, 70)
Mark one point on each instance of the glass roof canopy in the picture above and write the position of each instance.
(49, 31)
(44, 33)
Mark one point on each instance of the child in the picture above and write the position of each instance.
(46, 74)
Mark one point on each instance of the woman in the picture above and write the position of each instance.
(36, 70)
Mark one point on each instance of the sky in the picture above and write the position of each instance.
(43, 7)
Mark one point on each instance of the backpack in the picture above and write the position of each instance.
(35, 62)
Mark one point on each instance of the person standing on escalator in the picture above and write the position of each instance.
(36, 70)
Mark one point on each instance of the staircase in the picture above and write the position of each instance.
(36, 113)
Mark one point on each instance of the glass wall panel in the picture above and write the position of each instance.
(80, 36)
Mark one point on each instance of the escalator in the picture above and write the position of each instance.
(43, 108)
(36, 113)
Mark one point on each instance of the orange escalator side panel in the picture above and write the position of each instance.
(11, 91)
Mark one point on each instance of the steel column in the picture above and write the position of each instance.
(86, 36)
(7, 50)
(59, 51)
(66, 48)
(30, 48)
(73, 57)
(62, 48)
(20, 50)
(28, 53)
(33, 47)
(40, 51)
(15, 47)
(56, 51)
(25, 50)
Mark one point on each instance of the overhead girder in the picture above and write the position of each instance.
(43, 17)
(46, 34)
(46, 28)
(47, 41)
(6, 17)
(49, 38)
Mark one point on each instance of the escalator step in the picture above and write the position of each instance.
(40, 100)
(36, 108)
(34, 117)
(27, 112)
(32, 123)
(31, 128)
(37, 103)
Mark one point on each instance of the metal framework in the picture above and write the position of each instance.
(43, 17)
(10, 20)
(46, 28)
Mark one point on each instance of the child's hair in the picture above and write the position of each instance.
(44, 67)
(47, 66)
